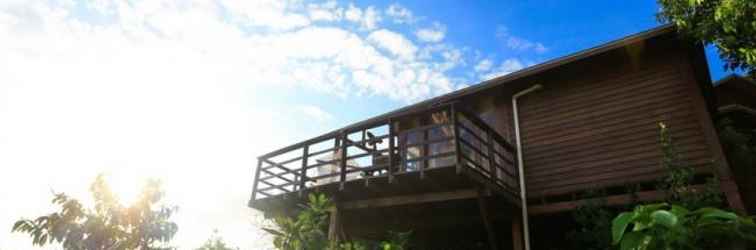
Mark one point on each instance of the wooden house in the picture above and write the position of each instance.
(477, 164)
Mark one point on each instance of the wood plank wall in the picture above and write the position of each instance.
(598, 129)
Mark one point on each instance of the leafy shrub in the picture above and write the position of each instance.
(109, 225)
(664, 226)
(678, 183)
(308, 230)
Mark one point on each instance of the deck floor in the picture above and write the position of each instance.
(432, 180)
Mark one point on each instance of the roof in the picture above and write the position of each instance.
(525, 72)
(735, 79)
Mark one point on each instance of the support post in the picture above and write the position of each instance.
(257, 179)
(334, 225)
(483, 206)
(517, 242)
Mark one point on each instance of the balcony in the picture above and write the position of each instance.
(441, 149)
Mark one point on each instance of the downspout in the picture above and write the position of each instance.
(520, 167)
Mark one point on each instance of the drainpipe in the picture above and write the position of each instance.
(520, 166)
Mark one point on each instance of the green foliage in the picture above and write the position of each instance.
(678, 183)
(351, 245)
(109, 225)
(728, 24)
(308, 230)
(663, 226)
(216, 243)
(739, 144)
(396, 241)
(593, 219)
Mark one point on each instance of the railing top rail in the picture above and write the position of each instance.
(348, 129)
(482, 124)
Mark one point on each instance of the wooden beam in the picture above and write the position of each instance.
(614, 200)
(483, 206)
(287, 170)
(726, 181)
(271, 175)
(411, 199)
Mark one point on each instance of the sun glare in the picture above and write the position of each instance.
(126, 186)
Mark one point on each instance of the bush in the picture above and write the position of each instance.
(664, 226)
(308, 230)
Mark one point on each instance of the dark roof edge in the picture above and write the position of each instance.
(529, 71)
(736, 77)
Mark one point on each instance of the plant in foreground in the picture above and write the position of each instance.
(664, 226)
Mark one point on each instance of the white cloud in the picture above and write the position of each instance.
(394, 43)
(328, 11)
(518, 43)
(271, 14)
(432, 34)
(483, 65)
(316, 113)
(367, 19)
(400, 14)
(506, 67)
(148, 87)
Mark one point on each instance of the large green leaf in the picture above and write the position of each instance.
(664, 218)
(619, 225)
(679, 211)
(634, 241)
(713, 213)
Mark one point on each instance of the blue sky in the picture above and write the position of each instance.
(190, 92)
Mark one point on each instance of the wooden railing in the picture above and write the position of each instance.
(444, 136)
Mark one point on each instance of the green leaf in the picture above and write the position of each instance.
(634, 241)
(664, 218)
(679, 211)
(18, 225)
(713, 213)
(272, 231)
(619, 225)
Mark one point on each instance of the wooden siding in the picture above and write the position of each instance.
(599, 130)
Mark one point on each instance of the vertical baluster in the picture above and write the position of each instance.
(403, 152)
(303, 175)
(426, 153)
(515, 169)
(343, 160)
(491, 158)
(391, 155)
(457, 148)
